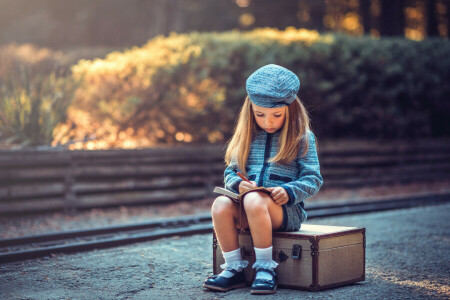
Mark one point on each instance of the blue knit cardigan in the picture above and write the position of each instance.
(300, 178)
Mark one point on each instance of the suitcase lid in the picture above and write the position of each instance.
(309, 231)
(324, 236)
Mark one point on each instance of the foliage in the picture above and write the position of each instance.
(189, 87)
(388, 88)
(35, 92)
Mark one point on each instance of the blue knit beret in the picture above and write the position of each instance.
(272, 86)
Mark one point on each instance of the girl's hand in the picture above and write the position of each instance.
(279, 195)
(244, 186)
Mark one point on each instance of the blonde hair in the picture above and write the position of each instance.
(296, 125)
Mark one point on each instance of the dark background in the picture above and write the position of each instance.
(119, 23)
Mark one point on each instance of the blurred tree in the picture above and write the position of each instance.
(311, 14)
(35, 92)
(364, 8)
(31, 108)
(432, 26)
(276, 14)
(392, 18)
(189, 87)
(201, 15)
(317, 14)
(118, 23)
(169, 17)
(448, 17)
(344, 16)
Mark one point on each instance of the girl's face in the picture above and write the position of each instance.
(269, 119)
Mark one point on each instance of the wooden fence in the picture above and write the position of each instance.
(32, 180)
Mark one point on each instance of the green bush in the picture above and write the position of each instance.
(189, 87)
(35, 92)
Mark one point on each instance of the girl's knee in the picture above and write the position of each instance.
(255, 203)
(222, 205)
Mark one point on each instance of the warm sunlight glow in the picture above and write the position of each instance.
(215, 136)
(374, 33)
(414, 34)
(187, 138)
(288, 36)
(246, 20)
(179, 136)
(375, 8)
(303, 14)
(183, 137)
(415, 22)
(329, 21)
(132, 83)
(351, 23)
(160, 134)
(243, 3)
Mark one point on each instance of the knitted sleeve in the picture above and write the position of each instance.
(310, 180)
(231, 179)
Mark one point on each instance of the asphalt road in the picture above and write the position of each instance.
(407, 257)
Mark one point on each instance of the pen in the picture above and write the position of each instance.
(242, 177)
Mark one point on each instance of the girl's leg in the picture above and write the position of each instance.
(263, 215)
(225, 214)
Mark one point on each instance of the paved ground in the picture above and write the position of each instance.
(407, 258)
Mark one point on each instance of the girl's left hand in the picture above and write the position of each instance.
(279, 195)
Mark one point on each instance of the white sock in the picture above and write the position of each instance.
(233, 257)
(264, 259)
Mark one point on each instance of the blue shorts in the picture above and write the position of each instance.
(293, 217)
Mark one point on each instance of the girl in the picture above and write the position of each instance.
(274, 147)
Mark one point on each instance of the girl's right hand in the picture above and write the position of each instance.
(244, 186)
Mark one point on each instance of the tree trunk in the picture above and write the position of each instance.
(317, 14)
(167, 17)
(364, 10)
(432, 26)
(175, 17)
(447, 12)
(392, 18)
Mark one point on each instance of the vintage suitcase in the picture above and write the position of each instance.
(315, 258)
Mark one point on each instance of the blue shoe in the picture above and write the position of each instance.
(223, 284)
(264, 286)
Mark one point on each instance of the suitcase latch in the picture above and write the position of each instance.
(282, 256)
(296, 252)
